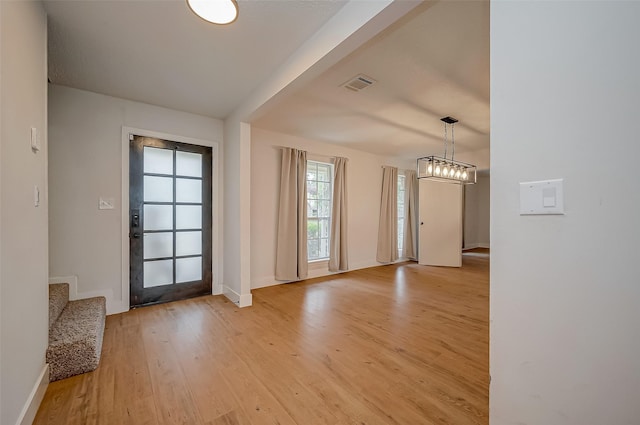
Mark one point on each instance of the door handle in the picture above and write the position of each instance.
(135, 235)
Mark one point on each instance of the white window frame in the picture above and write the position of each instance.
(401, 206)
(319, 218)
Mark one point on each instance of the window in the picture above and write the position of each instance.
(319, 190)
(400, 202)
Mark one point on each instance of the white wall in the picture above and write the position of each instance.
(23, 265)
(565, 290)
(85, 162)
(476, 213)
(364, 180)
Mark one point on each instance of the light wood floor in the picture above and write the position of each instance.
(401, 344)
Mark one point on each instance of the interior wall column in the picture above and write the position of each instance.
(237, 212)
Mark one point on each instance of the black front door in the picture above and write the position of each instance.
(170, 220)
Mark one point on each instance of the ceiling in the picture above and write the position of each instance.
(159, 52)
(431, 63)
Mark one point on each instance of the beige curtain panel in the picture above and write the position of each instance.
(410, 247)
(291, 242)
(338, 260)
(388, 226)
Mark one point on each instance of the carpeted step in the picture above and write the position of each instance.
(58, 299)
(75, 341)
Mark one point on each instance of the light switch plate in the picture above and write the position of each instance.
(542, 197)
(35, 145)
(106, 203)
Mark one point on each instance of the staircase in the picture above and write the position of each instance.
(76, 329)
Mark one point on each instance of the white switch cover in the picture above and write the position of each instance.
(106, 203)
(543, 197)
(35, 145)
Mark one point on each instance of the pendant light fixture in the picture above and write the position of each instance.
(219, 12)
(445, 169)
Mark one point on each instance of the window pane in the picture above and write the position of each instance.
(324, 173)
(158, 245)
(324, 208)
(158, 189)
(312, 208)
(324, 228)
(312, 190)
(158, 273)
(188, 269)
(189, 164)
(158, 161)
(188, 243)
(312, 229)
(313, 249)
(158, 217)
(188, 217)
(324, 248)
(324, 190)
(312, 171)
(189, 190)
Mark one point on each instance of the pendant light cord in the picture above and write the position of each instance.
(445, 140)
(453, 142)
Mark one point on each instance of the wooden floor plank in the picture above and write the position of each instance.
(399, 344)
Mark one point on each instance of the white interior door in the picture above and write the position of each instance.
(440, 238)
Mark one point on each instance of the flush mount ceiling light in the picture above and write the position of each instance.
(219, 12)
(445, 169)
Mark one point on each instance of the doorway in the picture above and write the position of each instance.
(170, 207)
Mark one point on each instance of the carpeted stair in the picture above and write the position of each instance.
(76, 329)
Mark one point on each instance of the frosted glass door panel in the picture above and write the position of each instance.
(189, 190)
(158, 245)
(157, 273)
(158, 189)
(188, 269)
(158, 161)
(188, 164)
(188, 243)
(158, 217)
(188, 217)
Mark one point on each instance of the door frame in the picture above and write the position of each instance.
(216, 211)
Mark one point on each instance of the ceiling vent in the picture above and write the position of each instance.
(359, 82)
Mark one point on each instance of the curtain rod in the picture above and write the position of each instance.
(310, 153)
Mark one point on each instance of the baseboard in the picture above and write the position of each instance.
(266, 281)
(30, 408)
(113, 306)
(73, 284)
(476, 245)
(241, 300)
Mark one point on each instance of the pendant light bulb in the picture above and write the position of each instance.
(429, 168)
(464, 175)
(445, 171)
(458, 173)
(438, 170)
(452, 171)
(219, 12)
